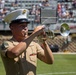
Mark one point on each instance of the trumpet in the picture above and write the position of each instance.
(49, 34)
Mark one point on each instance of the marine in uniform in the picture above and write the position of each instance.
(20, 53)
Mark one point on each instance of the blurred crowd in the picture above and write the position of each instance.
(4, 10)
(64, 10)
(35, 10)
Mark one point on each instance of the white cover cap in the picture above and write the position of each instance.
(17, 14)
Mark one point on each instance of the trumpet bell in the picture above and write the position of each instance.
(64, 29)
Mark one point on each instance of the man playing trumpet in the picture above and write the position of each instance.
(20, 53)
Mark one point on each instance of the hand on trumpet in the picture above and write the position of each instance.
(42, 36)
(40, 32)
(39, 29)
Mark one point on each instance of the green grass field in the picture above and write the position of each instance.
(64, 64)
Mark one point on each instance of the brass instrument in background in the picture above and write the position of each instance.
(65, 30)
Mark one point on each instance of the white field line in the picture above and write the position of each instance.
(63, 53)
(60, 73)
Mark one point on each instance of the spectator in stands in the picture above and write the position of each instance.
(37, 15)
(12, 2)
(66, 6)
(33, 9)
(64, 12)
(37, 19)
(59, 9)
(70, 13)
(45, 3)
(36, 11)
(20, 53)
(16, 3)
(2, 3)
(74, 4)
(4, 11)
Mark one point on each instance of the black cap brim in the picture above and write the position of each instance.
(20, 21)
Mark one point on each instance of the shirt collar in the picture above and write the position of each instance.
(15, 42)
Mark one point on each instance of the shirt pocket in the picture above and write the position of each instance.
(33, 57)
(32, 53)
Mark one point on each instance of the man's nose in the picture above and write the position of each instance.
(25, 28)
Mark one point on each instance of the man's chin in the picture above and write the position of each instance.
(25, 36)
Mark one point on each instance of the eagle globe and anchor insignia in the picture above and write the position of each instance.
(24, 11)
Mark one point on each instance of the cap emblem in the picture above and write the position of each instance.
(24, 11)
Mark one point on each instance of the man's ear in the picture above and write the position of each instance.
(10, 26)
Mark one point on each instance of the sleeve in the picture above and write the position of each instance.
(3, 48)
(40, 53)
(39, 49)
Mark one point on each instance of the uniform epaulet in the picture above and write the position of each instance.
(4, 45)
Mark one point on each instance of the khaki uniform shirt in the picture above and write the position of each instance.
(25, 64)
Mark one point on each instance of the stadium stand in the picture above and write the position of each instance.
(12, 5)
